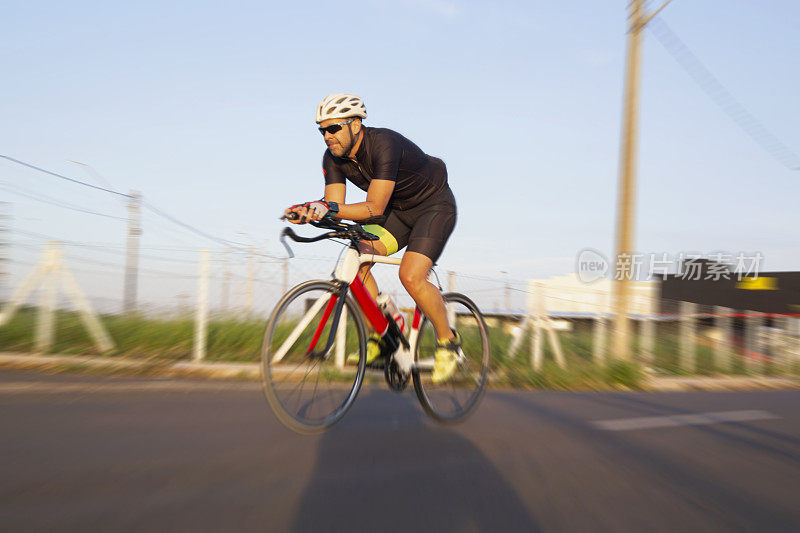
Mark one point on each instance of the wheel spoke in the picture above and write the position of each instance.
(298, 330)
(304, 391)
(469, 373)
(299, 385)
(457, 396)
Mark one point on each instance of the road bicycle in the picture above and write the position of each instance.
(313, 357)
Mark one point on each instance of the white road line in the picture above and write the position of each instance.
(696, 419)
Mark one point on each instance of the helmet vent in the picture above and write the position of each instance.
(340, 105)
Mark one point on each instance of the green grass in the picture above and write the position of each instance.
(581, 371)
(138, 336)
(577, 345)
(169, 339)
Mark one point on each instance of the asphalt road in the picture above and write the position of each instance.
(86, 454)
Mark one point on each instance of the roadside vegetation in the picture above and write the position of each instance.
(161, 340)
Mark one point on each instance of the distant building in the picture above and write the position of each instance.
(568, 296)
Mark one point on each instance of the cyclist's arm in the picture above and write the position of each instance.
(335, 192)
(386, 154)
(378, 194)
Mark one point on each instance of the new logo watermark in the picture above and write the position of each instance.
(591, 265)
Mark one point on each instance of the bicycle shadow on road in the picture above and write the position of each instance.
(386, 466)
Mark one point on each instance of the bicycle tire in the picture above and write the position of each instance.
(475, 345)
(277, 372)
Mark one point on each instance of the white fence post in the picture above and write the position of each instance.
(600, 329)
(201, 316)
(98, 332)
(22, 292)
(792, 343)
(760, 342)
(648, 328)
(49, 290)
(527, 322)
(52, 271)
(772, 345)
(547, 323)
(749, 341)
(451, 281)
(451, 308)
(536, 323)
(518, 335)
(722, 341)
(753, 345)
(541, 321)
(687, 358)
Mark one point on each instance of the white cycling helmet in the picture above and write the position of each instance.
(341, 105)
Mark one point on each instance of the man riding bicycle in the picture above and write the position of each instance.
(407, 187)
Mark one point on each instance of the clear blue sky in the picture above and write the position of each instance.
(207, 108)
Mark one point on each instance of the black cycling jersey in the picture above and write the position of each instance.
(385, 154)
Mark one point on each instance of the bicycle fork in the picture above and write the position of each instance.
(401, 347)
(334, 306)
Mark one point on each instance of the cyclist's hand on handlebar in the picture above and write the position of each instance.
(295, 214)
(310, 211)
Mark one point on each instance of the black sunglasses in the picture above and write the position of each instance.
(333, 128)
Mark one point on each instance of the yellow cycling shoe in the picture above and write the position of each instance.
(373, 350)
(445, 359)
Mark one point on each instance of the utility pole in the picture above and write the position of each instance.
(132, 255)
(451, 281)
(626, 208)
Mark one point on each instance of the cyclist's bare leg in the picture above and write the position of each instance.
(414, 270)
(375, 248)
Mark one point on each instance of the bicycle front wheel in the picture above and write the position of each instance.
(308, 389)
(454, 399)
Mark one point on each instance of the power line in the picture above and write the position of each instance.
(191, 228)
(492, 280)
(102, 244)
(150, 271)
(150, 206)
(47, 200)
(722, 97)
(113, 251)
(103, 263)
(114, 248)
(73, 180)
(96, 175)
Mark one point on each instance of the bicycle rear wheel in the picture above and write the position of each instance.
(454, 399)
(309, 390)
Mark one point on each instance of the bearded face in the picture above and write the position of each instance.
(342, 141)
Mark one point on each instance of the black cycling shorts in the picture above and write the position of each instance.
(423, 229)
